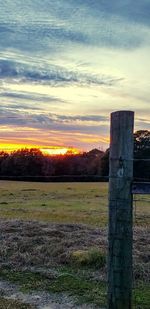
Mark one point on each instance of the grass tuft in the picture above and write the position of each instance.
(92, 258)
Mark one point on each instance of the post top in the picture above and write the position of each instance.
(123, 112)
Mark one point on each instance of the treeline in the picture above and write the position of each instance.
(32, 162)
(26, 163)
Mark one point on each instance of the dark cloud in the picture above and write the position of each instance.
(8, 69)
(53, 121)
(131, 10)
(94, 118)
(54, 75)
(52, 26)
(24, 106)
(28, 36)
(30, 97)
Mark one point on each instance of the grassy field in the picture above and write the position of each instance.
(55, 202)
(54, 239)
(63, 202)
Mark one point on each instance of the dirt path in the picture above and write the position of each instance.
(41, 300)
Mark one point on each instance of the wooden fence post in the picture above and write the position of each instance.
(120, 211)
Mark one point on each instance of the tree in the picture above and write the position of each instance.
(142, 143)
(142, 154)
(105, 163)
(3, 157)
(26, 162)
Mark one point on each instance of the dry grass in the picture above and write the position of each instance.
(141, 257)
(34, 245)
(12, 304)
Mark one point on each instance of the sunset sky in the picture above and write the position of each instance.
(66, 64)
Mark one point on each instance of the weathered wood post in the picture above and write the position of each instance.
(120, 211)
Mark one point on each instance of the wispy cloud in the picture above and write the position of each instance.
(8, 116)
(35, 97)
(55, 75)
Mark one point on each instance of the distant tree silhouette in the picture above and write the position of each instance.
(32, 162)
(141, 152)
(105, 163)
(26, 162)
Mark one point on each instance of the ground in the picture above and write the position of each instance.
(54, 244)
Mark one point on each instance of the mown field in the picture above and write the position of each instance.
(55, 202)
(54, 239)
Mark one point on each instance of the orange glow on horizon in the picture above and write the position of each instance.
(52, 151)
(49, 150)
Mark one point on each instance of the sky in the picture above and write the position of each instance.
(65, 65)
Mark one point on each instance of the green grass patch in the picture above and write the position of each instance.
(141, 296)
(74, 282)
(67, 281)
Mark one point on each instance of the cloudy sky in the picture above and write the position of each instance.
(66, 64)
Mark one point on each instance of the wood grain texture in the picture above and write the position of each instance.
(120, 211)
